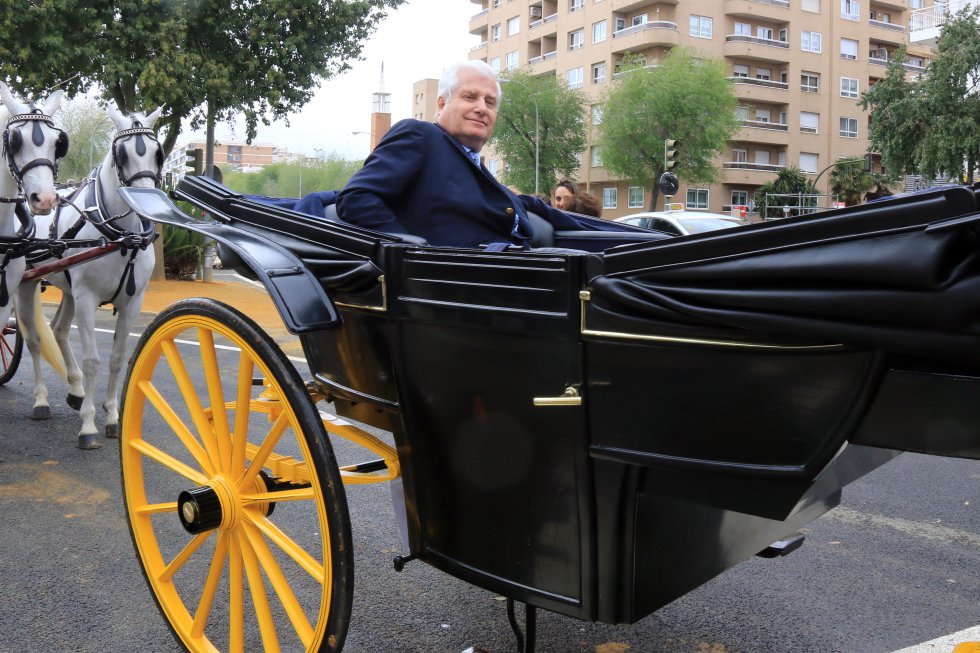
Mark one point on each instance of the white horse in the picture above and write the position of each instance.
(31, 148)
(96, 211)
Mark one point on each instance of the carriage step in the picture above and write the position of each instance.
(783, 547)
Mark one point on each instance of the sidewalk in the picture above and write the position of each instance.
(252, 301)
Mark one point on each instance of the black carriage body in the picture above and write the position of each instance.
(587, 433)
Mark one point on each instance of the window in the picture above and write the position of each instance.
(741, 113)
(811, 5)
(575, 5)
(609, 198)
(763, 73)
(740, 155)
(234, 154)
(599, 31)
(810, 82)
(496, 3)
(811, 42)
(809, 162)
(634, 197)
(599, 72)
(575, 77)
(620, 24)
(917, 62)
(762, 115)
(513, 25)
(512, 61)
(596, 156)
(596, 114)
(638, 20)
(740, 198)
(848, 87)
(809, 122)
(493, 166)
(697, 198)
(848, 49)
(576, 39)
(850, 9)
(784, 35)
(849, 127)
(740, 70)
(495, 65)
(764, 33)
(743, 29)
(915, 4)
(495, 32)
(701, 26)
(761, 156)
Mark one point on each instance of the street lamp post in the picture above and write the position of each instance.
(537, 133)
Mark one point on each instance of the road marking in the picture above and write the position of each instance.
(907, 526)
(946, 643)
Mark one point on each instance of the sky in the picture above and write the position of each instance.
(416, 41)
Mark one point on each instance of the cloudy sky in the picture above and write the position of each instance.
(415, 42)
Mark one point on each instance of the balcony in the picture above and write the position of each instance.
(543, 21)
(644, 35)
(479, 46)
(743, 173)
(545, 63)
(624, 73)
(753, 47)
(478, 23)
(764, 90)
(891, 33)
(630, 5)
(925, 24)
(756, 9)
(769, 133)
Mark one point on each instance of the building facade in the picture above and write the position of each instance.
(798, 68)
(228, 156)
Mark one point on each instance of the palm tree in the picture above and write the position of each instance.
(790, 189)
(850, 181)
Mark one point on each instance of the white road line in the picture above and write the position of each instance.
(295, 359)
(945, 644)
(906, 526)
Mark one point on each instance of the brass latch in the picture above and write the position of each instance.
(570, 397)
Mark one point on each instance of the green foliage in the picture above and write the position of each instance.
(182, 251)
(850, 181)
(562, 124)
(686, 98)
(262, 58)
(790, 188)
(289, 180)
(89, 132)
(929, 125)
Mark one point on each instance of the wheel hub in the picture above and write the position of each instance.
(207, 507)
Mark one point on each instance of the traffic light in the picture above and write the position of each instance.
(671, 146)
(195, 161)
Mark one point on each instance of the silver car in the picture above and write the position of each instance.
(682, 223)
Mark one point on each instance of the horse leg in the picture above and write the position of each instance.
(61, 326)
(125, 316)
(85, 320)
(32, 339)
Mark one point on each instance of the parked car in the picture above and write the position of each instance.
(682, 223)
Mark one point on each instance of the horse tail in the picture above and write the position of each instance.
(50, 350)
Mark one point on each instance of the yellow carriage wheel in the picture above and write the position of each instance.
(232, 493)
(11, 349)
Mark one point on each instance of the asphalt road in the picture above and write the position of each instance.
(897, 563)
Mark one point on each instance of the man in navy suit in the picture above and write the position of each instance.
(426, 178)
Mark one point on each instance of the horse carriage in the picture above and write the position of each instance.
(594, 428)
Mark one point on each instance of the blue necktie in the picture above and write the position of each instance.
(474, 157)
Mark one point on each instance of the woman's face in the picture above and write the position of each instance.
(562, 198)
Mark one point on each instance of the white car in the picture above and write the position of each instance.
(682, 223)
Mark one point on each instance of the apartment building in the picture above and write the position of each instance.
(798, 68)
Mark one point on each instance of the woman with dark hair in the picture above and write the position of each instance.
(562, 194)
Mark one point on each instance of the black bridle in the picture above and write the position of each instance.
(13, 142)
(119, 160)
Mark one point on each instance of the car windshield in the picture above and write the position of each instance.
(700, 225)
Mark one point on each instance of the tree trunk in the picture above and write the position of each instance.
(654, 195)
(209, 151)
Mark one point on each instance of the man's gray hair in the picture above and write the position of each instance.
(449, 81)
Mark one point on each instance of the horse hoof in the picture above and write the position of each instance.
(41, 412)
(74, 401)
(88, 442)
(112, 430)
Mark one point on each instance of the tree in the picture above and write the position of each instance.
(928, 126)
(290, 179)
(89, 132)
(790, 189)
(686, 98)
(850, 181)
(559, 131)
(202, 60)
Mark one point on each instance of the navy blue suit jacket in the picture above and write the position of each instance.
(419, 180)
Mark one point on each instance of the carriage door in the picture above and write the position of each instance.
(499, 481)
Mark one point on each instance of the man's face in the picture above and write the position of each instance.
(471, 113)
(562, 198)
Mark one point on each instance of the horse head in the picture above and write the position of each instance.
(137, 155)
(32, 146)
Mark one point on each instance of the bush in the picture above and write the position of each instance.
(182, 252)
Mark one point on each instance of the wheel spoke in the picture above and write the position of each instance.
(210, 586)
(189, 395)
(271, 440)
(169, 462)
(212, 377)
(180, 429)
(299, 494)
(304, 559)
(243, 403)
(290, 603)
(157, 508)
(267, 625)
(167, 574)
